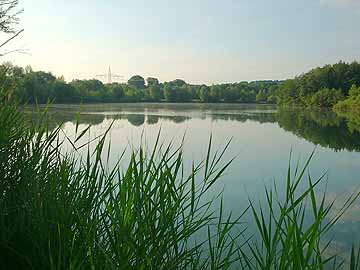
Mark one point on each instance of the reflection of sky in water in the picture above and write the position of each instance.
(261, 140)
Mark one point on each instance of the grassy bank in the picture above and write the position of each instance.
(60, 211)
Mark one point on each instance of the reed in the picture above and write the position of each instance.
(60, 211)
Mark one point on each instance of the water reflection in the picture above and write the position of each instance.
(263, 138)
(323, 128)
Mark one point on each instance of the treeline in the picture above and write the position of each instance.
(322, 86)
(29, 86)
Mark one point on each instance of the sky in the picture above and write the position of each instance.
(200, 41)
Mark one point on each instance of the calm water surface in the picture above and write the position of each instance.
(262, 139)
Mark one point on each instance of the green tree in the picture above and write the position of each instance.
(326, 97)
(117, 90)
(39, 86)
(155, 92)
(215, 93)
(302, 90)
(231, 94)
(272, 99)
(133, 94)
(137, 82)
(176, 94)
(261, 96)
(64, 92)
(89, 87)
(152, 82)
(11, 81)
(168, 93)
(354, 91)
(204, 94)
(178, 83)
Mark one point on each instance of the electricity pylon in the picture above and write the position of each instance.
(109, 77)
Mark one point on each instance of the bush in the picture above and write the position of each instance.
(326, 97)
(351, 104)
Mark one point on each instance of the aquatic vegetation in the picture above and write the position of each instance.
(61, 211)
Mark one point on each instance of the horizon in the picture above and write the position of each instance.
(125, 81)
(200, 43)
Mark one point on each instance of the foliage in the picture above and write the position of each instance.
(62, 213)
(32, 86)
(286, 239)
(352, 117)
(137, 82)
(303, 90)
(152, 81)
(323, 128)
(64, 93)
(261, 97)
(204, 94)
(320, 87)
(350, 108)
(352, 103)
(155, 92)
(59, 211)
(354, 91)
(326, 97)
(175, 93)
(117, 90)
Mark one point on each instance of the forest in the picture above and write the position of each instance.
(322, 87)
(29, 86)
(329, 86)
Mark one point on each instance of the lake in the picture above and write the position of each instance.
(262, 138)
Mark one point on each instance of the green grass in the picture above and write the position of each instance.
(59, 211)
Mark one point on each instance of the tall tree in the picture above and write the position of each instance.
(155, 92)
(137, 82)
(152, 81)
(205, 94)
(117, 90)
(64, 92)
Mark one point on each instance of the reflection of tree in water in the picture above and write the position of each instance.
(176, 119)
(139, 119)
(323, 128)
(117, 117)
(136, 119)
(319, 127)
(352, 119)
(243, 117)
(91, 119)
(152, 119)
(57, 118)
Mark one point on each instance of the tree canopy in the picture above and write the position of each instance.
(320, 84)
(320, 87)
(137, 82)
(39, 86)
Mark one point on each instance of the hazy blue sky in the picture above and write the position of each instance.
(201, 41)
